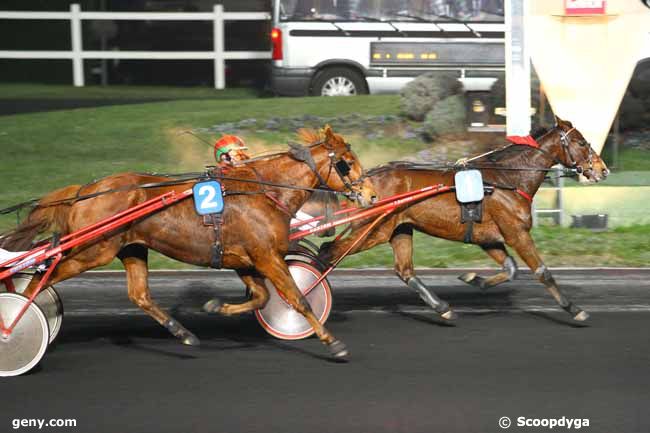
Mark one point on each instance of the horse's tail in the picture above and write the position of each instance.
(51, 214)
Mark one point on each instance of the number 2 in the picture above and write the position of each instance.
(208, 202)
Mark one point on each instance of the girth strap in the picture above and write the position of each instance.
(216, 221)
(469, 232)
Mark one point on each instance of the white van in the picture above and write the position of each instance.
(351, 47)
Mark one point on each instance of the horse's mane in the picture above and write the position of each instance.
(498, 155)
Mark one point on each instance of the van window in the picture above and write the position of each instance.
(391, 10)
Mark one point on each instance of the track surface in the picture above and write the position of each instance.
(512, 354)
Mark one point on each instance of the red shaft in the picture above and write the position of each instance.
(377, 203)
(399, 200)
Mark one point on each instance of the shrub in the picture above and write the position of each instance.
(447, 116)
(420, 95)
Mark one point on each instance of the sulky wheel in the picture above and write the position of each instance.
(305, 257)
(279, 319)
(21, 350)
(48, 300)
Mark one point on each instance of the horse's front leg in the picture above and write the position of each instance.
(273, 267)
(523, 243)
(402, 244)
(499, 254)
(259, 296)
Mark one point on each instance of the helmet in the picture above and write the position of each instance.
(227, 144)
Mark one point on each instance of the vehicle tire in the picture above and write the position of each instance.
(338, 81)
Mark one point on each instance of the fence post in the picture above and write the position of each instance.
(219, 48)
(77, 47)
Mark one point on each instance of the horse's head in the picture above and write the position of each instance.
(576, 152)
(348, 173)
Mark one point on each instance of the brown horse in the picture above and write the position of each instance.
(516, 172)
(254, 232)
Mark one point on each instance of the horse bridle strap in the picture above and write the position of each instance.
(303, 154)
(566, 142)
(341, 166)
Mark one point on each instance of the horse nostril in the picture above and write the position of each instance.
(606, 172)
(373, 199)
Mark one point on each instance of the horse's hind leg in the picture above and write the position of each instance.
(402, 244)
(259, 297)
(275, 269)
(134, 258)
(498, 252)
(523, 243)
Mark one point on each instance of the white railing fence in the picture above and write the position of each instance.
(219, 55)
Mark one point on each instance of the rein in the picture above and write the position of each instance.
(34, 202)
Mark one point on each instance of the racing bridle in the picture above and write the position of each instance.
(337, 164)
(565, 142)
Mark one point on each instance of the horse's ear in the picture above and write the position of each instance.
(329, 134)
(562, 123)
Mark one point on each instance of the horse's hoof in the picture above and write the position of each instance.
(337, 349)
(190, 340)
(473, 279)
(581, 316)
(467, 277)
(212, 306)
(449, 315)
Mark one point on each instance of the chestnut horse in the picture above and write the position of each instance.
(517, 172)
(254, 232)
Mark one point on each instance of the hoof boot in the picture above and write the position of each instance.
(467, 277)
(581, 316)
(190, 340)
(212, 306)
(449, 315)
(338, 350)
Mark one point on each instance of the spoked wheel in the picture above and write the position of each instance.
(48, 300)
(279, 319)
(25, 346)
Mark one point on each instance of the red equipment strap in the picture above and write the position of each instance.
(525, 195)
(526, 141)
(278, 203)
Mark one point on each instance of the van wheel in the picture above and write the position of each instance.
(338, 82)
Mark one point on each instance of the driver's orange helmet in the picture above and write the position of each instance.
(230, 148)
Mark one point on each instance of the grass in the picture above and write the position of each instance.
(46, 91)
(624, 246)
(631, 159)
(44, 151)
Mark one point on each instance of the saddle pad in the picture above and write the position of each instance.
(5, 255)
(469, 186)
(208, 197)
